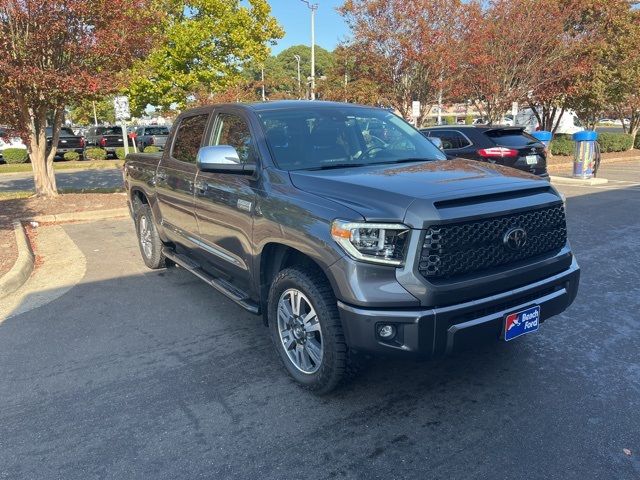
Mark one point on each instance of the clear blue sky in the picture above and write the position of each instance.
(295, 18)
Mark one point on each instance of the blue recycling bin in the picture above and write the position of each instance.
(544, 137)
(584, 154)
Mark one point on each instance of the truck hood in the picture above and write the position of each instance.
(386, 192)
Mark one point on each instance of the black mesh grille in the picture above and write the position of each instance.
(470, 247)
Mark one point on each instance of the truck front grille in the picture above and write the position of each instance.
(451, 250)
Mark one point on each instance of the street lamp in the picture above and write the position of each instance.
(297, 57)
(313, 7)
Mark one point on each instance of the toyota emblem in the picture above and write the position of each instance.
(515, 239)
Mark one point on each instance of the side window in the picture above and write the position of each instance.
(233, 130)
(189, 138)
(451, 139)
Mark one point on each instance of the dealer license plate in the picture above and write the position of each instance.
(519, 323)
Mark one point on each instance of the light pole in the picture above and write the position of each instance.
(313, 7)
(297, 57)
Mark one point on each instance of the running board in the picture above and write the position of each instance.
(221, 285)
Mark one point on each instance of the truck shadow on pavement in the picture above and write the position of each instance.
(136, 374)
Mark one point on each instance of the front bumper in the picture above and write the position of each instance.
(445, 330)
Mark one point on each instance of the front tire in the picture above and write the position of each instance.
(148, 238)
(306, 329)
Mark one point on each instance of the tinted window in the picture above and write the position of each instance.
(156, 131)
(511, 138)
(189, 138)
(322, 137)
(64, 132)
(233, 130)
(451, 139)
(109, 131)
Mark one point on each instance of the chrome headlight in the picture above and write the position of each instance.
(382, 243)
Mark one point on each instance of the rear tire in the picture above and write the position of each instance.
(309, 338)
(148, 238)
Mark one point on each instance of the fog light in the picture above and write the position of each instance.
(387, 331)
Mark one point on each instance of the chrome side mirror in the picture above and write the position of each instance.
(222, 158)
(436, 141)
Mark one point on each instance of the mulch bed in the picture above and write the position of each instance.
(11, 210)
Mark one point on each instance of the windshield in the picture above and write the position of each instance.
(156, 131)
(109, 131)
(511, 138)
(323, 137)
(64, 132)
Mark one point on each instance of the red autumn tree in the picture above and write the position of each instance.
(534, 62)
(411, 47)
(55, 52)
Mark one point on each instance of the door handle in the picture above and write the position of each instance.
(161, 176)
(201, 186)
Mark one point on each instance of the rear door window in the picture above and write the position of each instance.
(511, 138)
(189, 138)
(451, 139)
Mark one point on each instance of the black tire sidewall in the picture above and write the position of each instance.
(157, 259)
(332, 366)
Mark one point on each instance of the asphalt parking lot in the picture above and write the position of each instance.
(141, 374)
(76, 179)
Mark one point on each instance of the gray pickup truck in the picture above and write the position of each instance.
(349, 239)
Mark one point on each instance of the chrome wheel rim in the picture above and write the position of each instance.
(145, 236)
(299, 330)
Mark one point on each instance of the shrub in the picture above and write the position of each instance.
(615, 142)
(151, 149)
(15, 155)
(71, 156)
(562, 145)
(95, 154)
(637, 142)
(120, 153)
(450, 120)
(468, 120)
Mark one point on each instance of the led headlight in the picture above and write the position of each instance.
(372, 242)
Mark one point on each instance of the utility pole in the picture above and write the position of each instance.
(297, 57)
(313, 7)
(95, 116)
(264, 98)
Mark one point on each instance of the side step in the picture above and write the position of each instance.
(219, 284)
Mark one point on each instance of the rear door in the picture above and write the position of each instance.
(175, 177)
(454, 143)
(225, 201)
(531, 154)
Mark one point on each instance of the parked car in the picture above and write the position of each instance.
(346, 242)
(569, 123)
(155, 135)
(68, 142)
(9, 142)
(107, 138)
(508, 146)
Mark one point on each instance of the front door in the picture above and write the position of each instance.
(175, 178)
(225, 202)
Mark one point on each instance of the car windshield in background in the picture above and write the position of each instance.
(156, 131)
(64, 132)
(110, 131)
(316, 138)
(511, 138)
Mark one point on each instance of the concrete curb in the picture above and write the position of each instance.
(21, 270)
(81, 216)
(578, 181)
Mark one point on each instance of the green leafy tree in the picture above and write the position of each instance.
(207, 43)
(82, 112)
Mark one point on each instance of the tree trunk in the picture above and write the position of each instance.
(42, 164)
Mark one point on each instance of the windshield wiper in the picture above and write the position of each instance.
(338, 165)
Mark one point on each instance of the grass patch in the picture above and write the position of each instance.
(15, 195)
(89, 165)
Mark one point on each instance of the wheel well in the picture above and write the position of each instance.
(276, 257)
(138, 197)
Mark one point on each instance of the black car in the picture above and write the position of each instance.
(509, 146)
(107, 138)
(68, 142)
